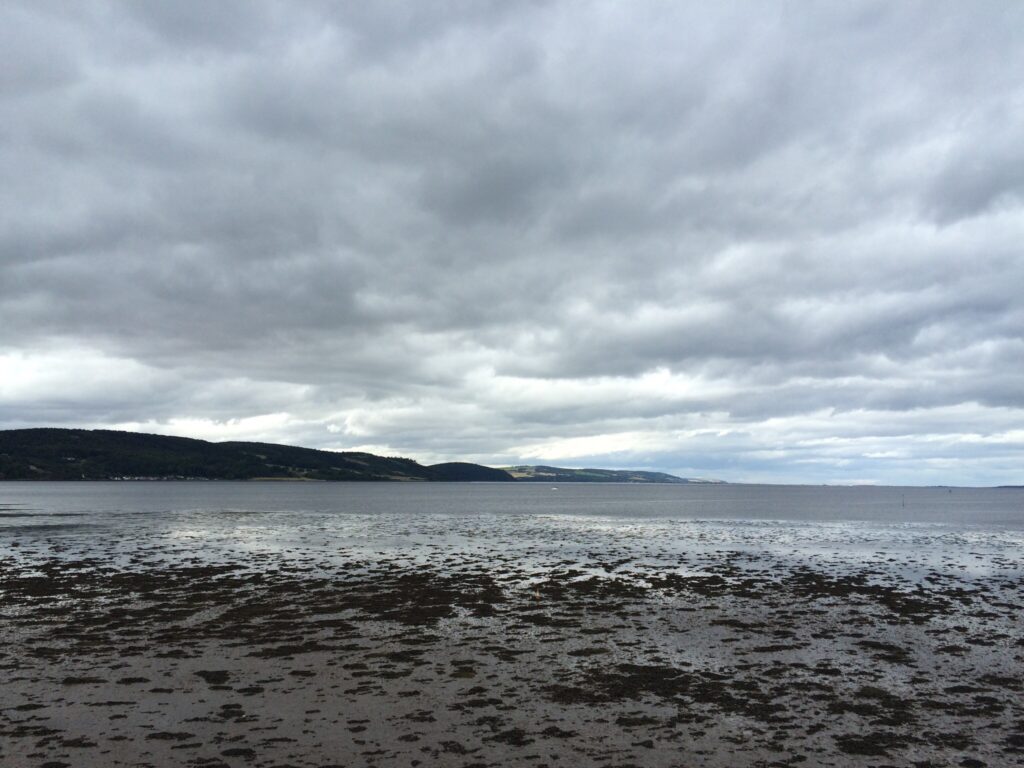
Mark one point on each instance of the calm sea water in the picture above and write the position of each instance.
(986, 507)
(913, 530)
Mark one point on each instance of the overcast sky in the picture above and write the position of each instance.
(757, 242)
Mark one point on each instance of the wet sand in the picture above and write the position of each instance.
(633, 653)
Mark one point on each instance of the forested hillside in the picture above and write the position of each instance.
(78, 454)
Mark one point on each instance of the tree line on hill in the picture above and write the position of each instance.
(103, 454)
(78, 454)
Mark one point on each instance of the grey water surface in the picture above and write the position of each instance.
(214, 520)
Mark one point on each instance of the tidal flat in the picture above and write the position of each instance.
(235, 625)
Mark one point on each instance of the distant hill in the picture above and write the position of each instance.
(79, 454)
(544, 474)
(103, 454)
(462, 471)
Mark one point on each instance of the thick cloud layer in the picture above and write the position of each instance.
(756, 242)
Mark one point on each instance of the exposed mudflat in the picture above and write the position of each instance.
(507, 641)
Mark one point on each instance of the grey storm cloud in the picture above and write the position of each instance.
(769, 241)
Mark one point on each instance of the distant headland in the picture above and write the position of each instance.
(101, 454)
(545, 474)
